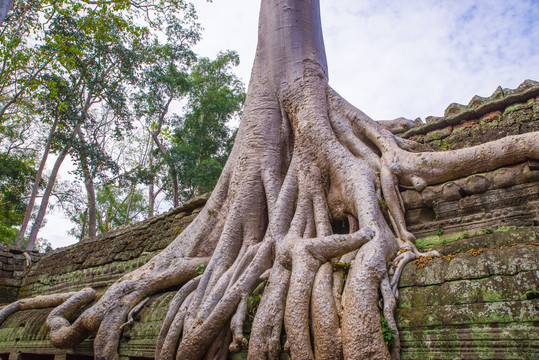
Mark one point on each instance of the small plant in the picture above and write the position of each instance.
(485, 231)
(383, 205)
(344, 266)
(200, 269)
(387, 332)
(252, 306)
(440, 232)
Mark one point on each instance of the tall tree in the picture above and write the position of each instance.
(165, 80)
(303, 157)
(201, 142)
(93, 51)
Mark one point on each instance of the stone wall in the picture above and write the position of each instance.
(12, 265)
(479, 301)
(503, 113)
(506, 196)
(99, 262)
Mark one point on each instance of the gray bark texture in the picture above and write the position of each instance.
(5, 6)
(303, 158)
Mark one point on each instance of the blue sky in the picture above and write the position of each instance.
(392, 58)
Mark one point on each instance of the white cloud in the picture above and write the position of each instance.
(413, 58)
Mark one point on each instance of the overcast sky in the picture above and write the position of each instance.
(391, 58)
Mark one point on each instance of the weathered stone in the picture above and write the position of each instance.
(412, 199)
(439, 134)
(430, 195)
(491, 117)
(454, 109)
(476, 184)
(451, 191)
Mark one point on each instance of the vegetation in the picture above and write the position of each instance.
(104, 84)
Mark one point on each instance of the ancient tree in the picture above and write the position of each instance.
(303, 158)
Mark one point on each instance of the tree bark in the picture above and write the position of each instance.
(151, 186)
(90, 191)
(163, 151)
(46, 196)
(84, 222)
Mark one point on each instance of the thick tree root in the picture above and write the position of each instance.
(42, 301)
(62, 335)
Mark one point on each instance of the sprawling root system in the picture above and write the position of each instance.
(269, 220)
(304, 158)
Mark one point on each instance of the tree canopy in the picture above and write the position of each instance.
(91, 82)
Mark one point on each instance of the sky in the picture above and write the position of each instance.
(390, 58)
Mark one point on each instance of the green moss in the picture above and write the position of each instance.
(438, 134)
(440, 239)
(516, 107)
(383, 205)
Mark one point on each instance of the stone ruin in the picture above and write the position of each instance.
(480, 300)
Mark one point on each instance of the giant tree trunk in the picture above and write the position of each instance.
(303, 157)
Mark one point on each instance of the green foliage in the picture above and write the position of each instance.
(387, 333)
(383, 205)
(342, 265)
(345, 267)
(117, 205)
(202, 141)
(76, 63)
(253, 300)
(485, 231)
(200, 269)
(16, 180)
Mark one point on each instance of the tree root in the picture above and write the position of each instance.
(325, 316)
(62, 335)
(130, 317)
(303, 157)
(179, 300)
(236, 326)
(389, 306)
(41, 302)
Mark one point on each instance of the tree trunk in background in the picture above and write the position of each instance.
(84, 222)
(90, 191)
(35, 188)
(46, 196)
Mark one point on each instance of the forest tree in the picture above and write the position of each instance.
(303, 158)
